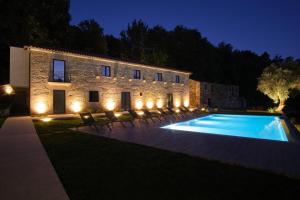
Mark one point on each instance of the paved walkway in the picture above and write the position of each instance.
(279, 157)
(25, 170)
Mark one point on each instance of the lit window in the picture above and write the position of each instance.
(177, 79)
(105, 70)
(159, 77)
(137, 74)
(93, 96)
(58, 71)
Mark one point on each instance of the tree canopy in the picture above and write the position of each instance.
(46, 23)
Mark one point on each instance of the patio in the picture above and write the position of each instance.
(279, 157)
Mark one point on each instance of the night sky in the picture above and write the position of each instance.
(257, 25)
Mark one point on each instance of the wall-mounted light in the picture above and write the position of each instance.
(177, 103)
(139, 104)
(159, 104)
(186, 103)
(76, 106)
(8, 89)
(110, 105)
(149, 104)
(41, 107)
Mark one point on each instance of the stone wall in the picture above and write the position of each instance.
(194, 93)
(83, 72)
(220, 95)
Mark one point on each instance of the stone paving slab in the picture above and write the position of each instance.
(279, 157)
(25, 169)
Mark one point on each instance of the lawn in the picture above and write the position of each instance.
(92, 167)
(2, 120)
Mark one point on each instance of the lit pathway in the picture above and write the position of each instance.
(25, 170)
(279, 157)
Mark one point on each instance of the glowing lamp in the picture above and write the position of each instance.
(202, 109)
(140, 112)
(118, 114)
(40, 107)
(149, 104)
(177, 110)
(46, 119)
(186, 103)
(159, 104)
(110, 105)
(139, 105)
(177, 103)
(76, 107)
(8, 89)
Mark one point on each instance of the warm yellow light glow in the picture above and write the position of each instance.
(177, 110)
(144, 81)
(139, 104)
(76, 107)
(110, 105)
(177, 103)
(154, 82)
(97, 77)
(149, 104)
(41, 107)
(186, 103)
(140, 112)
(118, 114)
(202, 109)
(8, 89)
(191, 109)
(46, 119)
(165, 83)
(130, 80)
(159, 104)
(86, 117)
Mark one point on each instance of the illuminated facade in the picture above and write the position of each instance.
(66, 82)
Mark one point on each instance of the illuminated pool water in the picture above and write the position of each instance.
(250, 126)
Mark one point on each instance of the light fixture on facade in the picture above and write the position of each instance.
(149, 104)
(98, 77)
(130, 80)
(41, 107)
(76, 106)
(110, 105)
(159, 104)
(165, 82)
(139, 104)
(177, 103)
(186, 103)
(8, 89)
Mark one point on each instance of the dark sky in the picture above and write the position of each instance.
(257, 25)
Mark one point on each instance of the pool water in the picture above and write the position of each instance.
(250, 126)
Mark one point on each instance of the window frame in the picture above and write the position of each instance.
(177, 79)
(159, 77)
(53, 66)
(105, 67)
(135, 74)
(91, 100)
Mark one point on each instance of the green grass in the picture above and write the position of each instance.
(92, 167)
(2, 120)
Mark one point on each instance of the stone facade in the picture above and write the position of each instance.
(220, 95)
(214, 95)
(83, 74)
(194, 93)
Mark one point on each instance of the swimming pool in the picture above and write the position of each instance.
(250, 126)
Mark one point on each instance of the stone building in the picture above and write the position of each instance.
(66, 82)
(215, 95)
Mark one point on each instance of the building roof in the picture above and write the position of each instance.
(101, 57)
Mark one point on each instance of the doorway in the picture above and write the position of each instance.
(170, 100)
(125, 101)
(59, 102)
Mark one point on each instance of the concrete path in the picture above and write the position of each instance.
(25, 169)
(279, 157)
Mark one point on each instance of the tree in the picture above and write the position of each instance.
(277, 81)
(88, 36)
